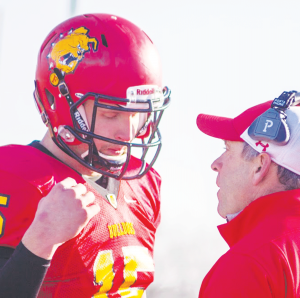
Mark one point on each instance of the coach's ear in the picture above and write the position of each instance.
(261, 167)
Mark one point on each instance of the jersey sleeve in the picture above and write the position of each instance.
(25, 270)
(18, 204)
(236, 276)
(26, 175)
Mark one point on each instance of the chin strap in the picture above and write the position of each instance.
(108, 162)
(64, 91)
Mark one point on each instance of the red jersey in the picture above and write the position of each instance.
(112, 256)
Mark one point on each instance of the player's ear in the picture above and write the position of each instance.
(261, 166)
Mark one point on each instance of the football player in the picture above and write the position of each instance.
(99, 91)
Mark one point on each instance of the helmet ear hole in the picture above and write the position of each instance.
(104, 41)
(51, 99)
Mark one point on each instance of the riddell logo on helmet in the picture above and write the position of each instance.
(144, 92)
(80, 121)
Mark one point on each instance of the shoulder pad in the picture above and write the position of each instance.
(147, 191)
(34, 166)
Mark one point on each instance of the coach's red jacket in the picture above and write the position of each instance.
(264, 256)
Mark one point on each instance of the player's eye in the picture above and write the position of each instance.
(110, 115)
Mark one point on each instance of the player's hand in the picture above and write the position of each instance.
(60, 216)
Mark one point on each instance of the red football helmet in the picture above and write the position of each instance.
(110, 60)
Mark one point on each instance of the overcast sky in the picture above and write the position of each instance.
(219, 57)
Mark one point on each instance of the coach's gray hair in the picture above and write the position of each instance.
(286, 177)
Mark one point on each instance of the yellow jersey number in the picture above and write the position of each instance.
(4, 200)
(136, 259)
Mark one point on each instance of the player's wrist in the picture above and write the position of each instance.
(44, 249)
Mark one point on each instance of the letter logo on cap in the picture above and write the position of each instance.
(269, 123)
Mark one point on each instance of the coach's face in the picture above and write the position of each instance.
(234, 179)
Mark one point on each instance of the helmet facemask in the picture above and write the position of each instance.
(146, 144)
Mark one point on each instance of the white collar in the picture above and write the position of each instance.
(230, 217)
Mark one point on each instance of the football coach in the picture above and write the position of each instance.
(258, 177)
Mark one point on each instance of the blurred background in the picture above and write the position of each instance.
(219, 57)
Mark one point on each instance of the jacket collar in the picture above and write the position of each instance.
(277, 204)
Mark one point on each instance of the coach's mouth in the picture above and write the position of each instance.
(217, 182)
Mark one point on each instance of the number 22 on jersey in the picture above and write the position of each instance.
(4, 200)
(136, 259)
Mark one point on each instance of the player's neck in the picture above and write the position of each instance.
(48, 143)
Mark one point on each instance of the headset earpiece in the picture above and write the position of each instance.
(271, 127)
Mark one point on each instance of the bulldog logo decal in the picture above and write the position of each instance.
(68, 51)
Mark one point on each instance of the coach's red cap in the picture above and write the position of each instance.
(227, 128)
